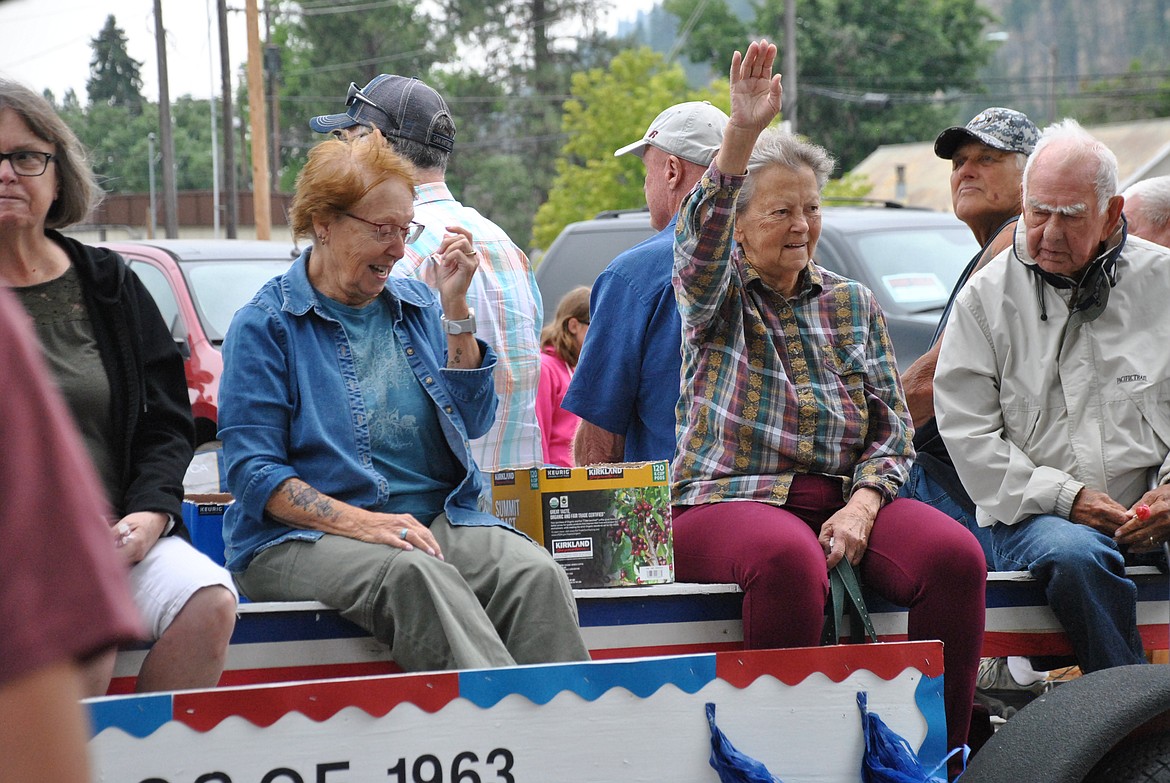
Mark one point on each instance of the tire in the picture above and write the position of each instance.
(1061, 736)
(1143, 760)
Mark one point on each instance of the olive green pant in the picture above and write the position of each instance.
(497, 599)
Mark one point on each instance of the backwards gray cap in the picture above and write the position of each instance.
(693, 131)
(400, 107)
(998, 128)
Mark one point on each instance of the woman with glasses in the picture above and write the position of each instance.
(113, 357)
(347, 403)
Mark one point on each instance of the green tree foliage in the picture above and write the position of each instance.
(851, 186)
(869, 70)
(878, 64)
(192, 135)
(530, 42)
(325, 45)
(714, 32)
(1136, 95)
(114, 77)
(115, 133)
(531, 48)
(608, 109)
(118, 143)
(490, 167)
(505, 95)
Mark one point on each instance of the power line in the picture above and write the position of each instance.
(685, 32)
(314, 9)
(992, 81)
(386, 58)
(451, 100)
(331, 8)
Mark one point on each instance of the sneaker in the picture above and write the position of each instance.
(998, 691)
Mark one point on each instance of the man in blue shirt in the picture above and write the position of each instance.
(626, 384)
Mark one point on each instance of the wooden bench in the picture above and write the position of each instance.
(304, 640)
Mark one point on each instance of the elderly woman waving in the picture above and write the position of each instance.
(348, 400)
(794, 435)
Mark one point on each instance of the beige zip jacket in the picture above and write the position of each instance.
(1032, 410)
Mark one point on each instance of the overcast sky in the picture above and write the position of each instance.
(46, 43)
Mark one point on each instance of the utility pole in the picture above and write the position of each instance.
(272, 66)
(790, 64)
(215, 190)
(261, 197)
(1053, 50)
(166, 135)
(229, 139)
(150, 175)
(272, 71)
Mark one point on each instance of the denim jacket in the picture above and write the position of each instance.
(291, 406)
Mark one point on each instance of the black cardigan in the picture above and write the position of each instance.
(149, 399)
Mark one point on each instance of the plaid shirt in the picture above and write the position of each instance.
(772, 387)
(508, 316)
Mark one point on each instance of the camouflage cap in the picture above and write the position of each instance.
(998, 128)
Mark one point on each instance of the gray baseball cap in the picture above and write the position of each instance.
(400, 107)
(998, 128)
(693, 131)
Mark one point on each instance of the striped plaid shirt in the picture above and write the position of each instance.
(776, 387)
(508, 317)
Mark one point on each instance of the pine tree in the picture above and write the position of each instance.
(114, 76)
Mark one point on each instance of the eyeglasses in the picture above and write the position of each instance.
(385, 233)
(27, 163)
(355, 95)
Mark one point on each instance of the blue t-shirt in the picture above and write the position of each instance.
(406, 440)
(627, 379)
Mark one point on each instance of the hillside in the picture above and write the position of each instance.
(1054, 49)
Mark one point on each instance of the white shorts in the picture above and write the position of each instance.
(168, 576)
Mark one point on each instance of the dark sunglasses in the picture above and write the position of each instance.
(355, 95)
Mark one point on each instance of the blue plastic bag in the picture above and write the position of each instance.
(888, 756)
(731, 765)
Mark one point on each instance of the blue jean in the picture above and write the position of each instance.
(1083, 574)
(920, 486)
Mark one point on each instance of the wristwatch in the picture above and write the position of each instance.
(462, 326)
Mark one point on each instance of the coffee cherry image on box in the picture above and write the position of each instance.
(642, 542)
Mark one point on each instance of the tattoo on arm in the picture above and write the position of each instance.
(303, 497)
(458, 357)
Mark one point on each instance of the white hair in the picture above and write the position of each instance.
(1081, 145)
(1154, 206)
(776, 147)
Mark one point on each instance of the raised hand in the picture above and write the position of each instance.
(755, 102)
(755, 90)
(458, 262)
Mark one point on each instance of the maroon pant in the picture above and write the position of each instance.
(916, 557)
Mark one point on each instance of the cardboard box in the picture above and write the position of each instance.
(203, 516)
(607, 525)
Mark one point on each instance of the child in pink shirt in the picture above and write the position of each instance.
(561, 344)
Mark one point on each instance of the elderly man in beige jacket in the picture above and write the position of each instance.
(1053, 396)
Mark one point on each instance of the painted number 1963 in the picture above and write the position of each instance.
(464, 769)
